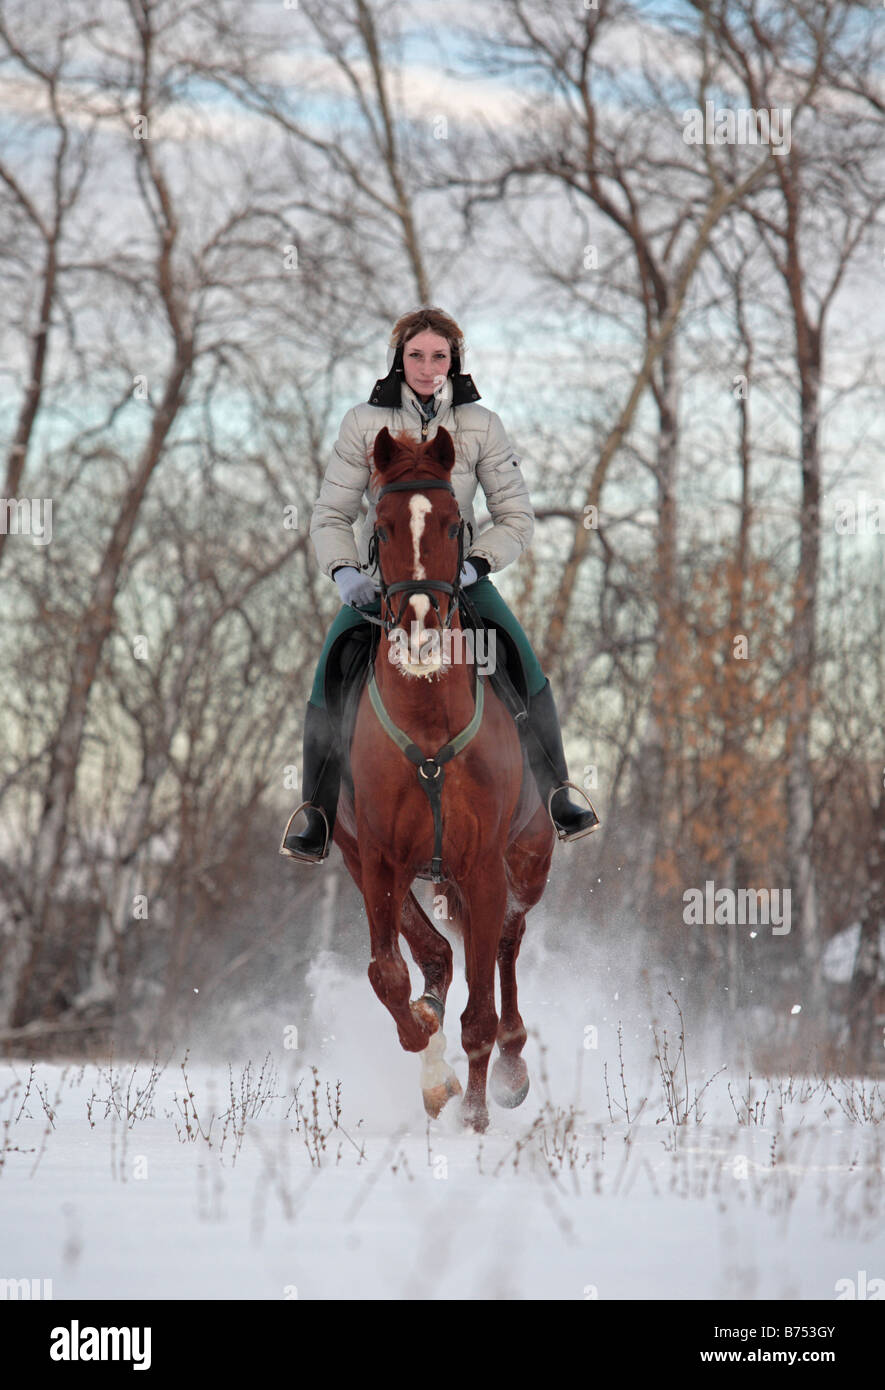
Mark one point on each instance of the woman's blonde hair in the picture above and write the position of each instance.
(427, 319)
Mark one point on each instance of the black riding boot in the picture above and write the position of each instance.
(551, 772)
(320, 780)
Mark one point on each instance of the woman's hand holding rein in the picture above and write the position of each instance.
(354, 586)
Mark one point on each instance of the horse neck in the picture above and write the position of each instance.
(427, 708)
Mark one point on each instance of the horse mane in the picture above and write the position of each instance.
(415, 461)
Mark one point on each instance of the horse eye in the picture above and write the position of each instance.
(454, 529)
(381, 533)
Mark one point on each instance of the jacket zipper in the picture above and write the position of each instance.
(424, 422)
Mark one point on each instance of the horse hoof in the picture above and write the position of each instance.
(509, 1082)
(435, 1097)
(474, 1117)
(435, 1004)
(425, 1014)
(416, 1031)
(509, 1100)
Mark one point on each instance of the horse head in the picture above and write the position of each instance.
(418, 543)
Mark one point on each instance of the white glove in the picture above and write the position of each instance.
(354, 586)
(468, 574)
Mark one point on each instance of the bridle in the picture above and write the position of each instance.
(430, 768)
(408, 587)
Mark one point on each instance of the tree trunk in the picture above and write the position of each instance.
(800, 782)
(864, 990)
(656, 751)
(51, 838)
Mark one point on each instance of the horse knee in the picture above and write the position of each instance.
(389, 977)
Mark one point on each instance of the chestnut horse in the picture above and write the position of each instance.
(496, 837)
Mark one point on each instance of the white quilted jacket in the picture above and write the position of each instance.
(483, 454)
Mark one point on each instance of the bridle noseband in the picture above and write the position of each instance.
(408, 587)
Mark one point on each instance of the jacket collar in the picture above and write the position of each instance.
(443, 397)
(392, 391)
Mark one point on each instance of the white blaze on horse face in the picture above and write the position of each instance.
(419, 506)
(419, 509)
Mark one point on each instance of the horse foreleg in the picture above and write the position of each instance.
(384, 891)
(433, 956)
(485, 900)
(430, 951)
(528, 860)
(509, 1081)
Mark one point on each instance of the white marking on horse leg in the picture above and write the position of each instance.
(434, 1067)
(438, 1082)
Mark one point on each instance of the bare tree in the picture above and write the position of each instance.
(45, 201)
(365, 171)
(826, 199)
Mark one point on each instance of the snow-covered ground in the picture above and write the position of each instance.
(235, 1181)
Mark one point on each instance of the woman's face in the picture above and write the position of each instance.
(426, 361)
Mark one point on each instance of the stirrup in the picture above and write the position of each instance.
(306, 858)
(575, 834)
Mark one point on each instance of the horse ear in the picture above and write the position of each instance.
(442, 449)
(383, 449)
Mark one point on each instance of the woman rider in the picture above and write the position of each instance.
(424, 390)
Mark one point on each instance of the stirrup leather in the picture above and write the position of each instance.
(305, 858)
(575, 834)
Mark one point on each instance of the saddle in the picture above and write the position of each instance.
(353, 656)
